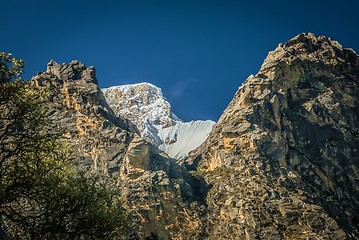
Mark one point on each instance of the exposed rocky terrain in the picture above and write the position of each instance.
(145, 106)
(281, 163)
(283, 159)
(159, 193)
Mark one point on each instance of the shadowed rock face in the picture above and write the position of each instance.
(283, 160)
(161, 195)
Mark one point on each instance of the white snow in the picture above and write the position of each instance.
(180, 139)
(144, 105)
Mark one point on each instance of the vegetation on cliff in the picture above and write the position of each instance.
(41, 195)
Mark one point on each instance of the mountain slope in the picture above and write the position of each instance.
(158, 192)
(281, 163)
(145, 106)
(283, 158)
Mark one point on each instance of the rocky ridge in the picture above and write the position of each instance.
(145, 106)
(283, 159)
(159, 193)
(281, 163)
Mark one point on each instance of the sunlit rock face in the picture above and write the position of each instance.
(283, 159)
(281, 163)
(80, 113)
(158, 192)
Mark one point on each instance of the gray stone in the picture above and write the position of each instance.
(298, 118)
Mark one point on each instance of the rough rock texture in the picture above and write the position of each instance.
(283, 160)
(80, 113)
(165, 199)
(145, 106)
(281, 163)
(159, 193)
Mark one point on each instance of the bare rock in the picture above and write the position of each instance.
(291, 129)
(164, 199)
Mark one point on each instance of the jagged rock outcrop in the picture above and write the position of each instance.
(145, 106)
(283, 159)
(161, 195)
(282, 162)
(80, 113)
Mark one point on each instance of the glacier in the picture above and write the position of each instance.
(145, 106)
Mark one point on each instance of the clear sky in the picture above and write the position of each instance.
(198, 52)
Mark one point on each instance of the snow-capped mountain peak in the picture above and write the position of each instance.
(138, 102)
(145, 106)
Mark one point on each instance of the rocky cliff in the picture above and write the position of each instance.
(145, 106)
(160, 194)
(281, 163)
(283, 159)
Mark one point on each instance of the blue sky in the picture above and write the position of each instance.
(198, 52)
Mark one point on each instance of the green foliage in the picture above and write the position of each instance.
(27, 152)
(41, 196)
(84, 207)
(10, 68)
(71, 207)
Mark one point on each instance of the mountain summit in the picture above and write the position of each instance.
(283, 159)
(145, 106)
